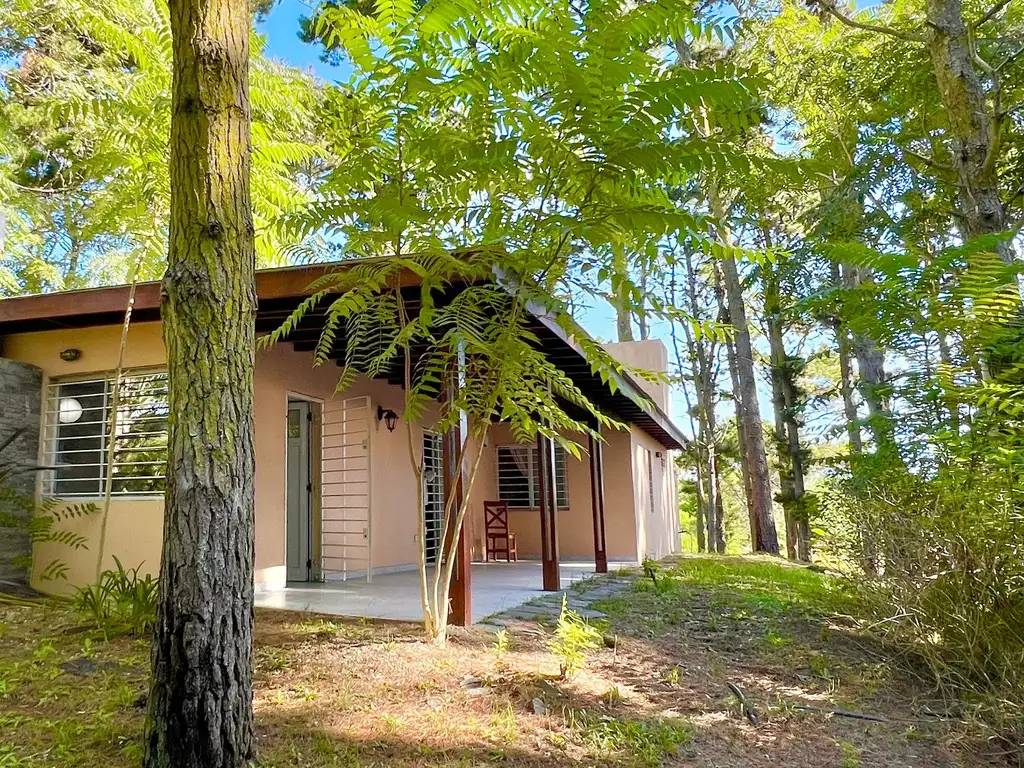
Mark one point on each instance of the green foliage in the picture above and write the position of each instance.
(84, 130)
(574, 638)
(952, 560)
(39, 520)
(640, 743)
(122, 602)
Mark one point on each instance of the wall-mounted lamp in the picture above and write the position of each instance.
(657, 454)
(389, 417)
(70, 355)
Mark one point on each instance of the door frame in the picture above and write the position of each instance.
(316, 411)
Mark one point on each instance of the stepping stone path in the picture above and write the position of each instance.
(580, 596)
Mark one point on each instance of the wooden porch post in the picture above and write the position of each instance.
(548, 513)
(460, 608)
(597, 498)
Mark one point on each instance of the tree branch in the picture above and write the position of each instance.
(903, 34)
(992, 12)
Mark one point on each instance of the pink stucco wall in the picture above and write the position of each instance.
(135, 524)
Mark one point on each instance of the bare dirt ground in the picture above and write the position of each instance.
(332, 692)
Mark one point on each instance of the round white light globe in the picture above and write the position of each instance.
(69, 410)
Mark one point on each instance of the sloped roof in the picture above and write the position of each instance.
(279, 292)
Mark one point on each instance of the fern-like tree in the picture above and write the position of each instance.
(511, 152)
(84, 129)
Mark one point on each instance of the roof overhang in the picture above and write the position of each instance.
(280, 290)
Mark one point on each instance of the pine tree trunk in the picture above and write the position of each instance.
(760, 482)
(200, 704)
(787, 430)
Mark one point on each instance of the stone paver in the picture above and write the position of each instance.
(579, 598)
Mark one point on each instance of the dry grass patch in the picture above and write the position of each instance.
(328, 692)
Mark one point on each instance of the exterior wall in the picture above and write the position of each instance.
(647, 355)
(281, 372)
(135, 525)
(657, 527)
(20, 398)
(575, 525)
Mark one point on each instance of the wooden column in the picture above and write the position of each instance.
(460, 607)
(548, 513)
(597, 499)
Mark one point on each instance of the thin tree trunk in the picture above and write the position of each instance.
(760, 482)
(787, 429)
(846, 376)
(622, 299)
(200, 703)
(871, 369)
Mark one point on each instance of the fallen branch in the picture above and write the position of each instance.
(842, 713)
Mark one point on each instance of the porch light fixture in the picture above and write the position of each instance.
(70, 355)
(389, 417)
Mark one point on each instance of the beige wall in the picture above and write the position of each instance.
(135, 525)
(575, 525)
(657, 527)
(646, 355)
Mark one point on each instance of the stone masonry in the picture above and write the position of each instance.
(20, 400)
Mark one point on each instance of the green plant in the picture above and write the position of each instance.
(502, 641)
(122, 602)
(574, 638)
(38, 520)
(641, 743)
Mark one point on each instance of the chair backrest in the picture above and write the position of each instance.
(496, 517)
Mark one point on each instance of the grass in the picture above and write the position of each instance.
(335, 692)
(328, 692)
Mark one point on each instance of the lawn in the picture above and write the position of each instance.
(333, 692)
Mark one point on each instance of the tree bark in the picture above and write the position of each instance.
(785, 398)
(200, 703)
(871, 368)
(974, 126)
(622, 299)
(760, 483)
(846, 375)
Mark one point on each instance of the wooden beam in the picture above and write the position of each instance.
(548, 513)
(597, 498)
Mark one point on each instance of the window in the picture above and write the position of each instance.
(519, 476)
(77, 436)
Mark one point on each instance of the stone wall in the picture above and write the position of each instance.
(20, 401)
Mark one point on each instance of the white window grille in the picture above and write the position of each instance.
(519, 476)
(77, 436)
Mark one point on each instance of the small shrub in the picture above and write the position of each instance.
(502, 641)
(123, 602)
(573, 639)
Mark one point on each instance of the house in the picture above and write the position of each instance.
(335, 491)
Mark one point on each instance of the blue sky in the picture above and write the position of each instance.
(281, 31)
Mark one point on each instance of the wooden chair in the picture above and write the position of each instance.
(499, 540)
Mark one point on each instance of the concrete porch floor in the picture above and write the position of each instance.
(496, 587)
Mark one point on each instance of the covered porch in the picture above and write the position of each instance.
(496, 587)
